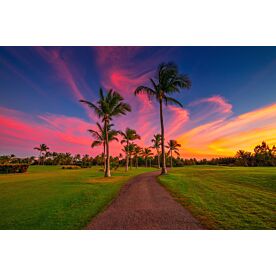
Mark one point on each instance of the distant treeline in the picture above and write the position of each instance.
(263, 155)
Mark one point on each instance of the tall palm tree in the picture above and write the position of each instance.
(99, 136)
(167, 81)
(128, 135)
(147, 154)
(107, 107)
(137, 152)
(173, 147)
(42, 148)
(156, 145)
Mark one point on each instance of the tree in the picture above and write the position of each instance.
(156, 145)
(166, 82)
(128, 135)
(147, 154)
(264, 155)
(99, 136)
(108, 106)
(137, 152)
(173, 147)
(130, 151)
(243, 158)
(42, 148)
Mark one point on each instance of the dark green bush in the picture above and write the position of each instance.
(13, 168)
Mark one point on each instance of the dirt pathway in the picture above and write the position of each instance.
(144, 204)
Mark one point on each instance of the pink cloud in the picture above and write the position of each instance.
(20, 134)
(219, 104)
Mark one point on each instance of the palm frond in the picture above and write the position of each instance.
(145, 90)
(96, 144)
(95, 108)
(95, 134)
(171, 101)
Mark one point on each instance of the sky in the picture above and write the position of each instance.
(230, 106)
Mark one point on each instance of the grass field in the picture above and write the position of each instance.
(47, 197)
(226, 197)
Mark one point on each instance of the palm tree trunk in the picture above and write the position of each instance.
(127, 158)
(104, 157)
(130, 160)
(164, 170)
(136, 162)
(107, 168)
(146, 162)
(171, 159)
(158, 159)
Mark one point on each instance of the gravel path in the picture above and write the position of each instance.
(143, 204)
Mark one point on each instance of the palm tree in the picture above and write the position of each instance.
(167, 81)
(137, 152)
(130, 151)
(128, 135)
(156, 145)
(42, 148)
(173, 147)
(147, 154)
(99, 136)
(107, 107)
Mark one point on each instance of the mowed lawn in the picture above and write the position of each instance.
(47, 197)
(226, 197)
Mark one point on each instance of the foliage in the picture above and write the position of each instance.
(13, 168)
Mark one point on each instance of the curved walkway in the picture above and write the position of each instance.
(143, 204)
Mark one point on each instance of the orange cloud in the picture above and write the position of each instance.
(225, 136)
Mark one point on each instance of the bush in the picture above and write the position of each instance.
(13, 168)
(71, 167)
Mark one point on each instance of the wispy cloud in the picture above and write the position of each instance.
(20, 133)
(225, 136)
(64, 72)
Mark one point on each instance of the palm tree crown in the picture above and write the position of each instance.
(173, 147)
(166, 82)
(109, 106)
(99, 135)
(42, 148)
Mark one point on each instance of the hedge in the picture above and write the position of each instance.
(13, 168)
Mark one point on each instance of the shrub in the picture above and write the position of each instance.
(71, 167)
(13, 168)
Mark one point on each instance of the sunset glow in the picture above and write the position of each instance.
(226, 109)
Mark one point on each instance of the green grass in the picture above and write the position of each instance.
(226, 197)
(47, 197)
